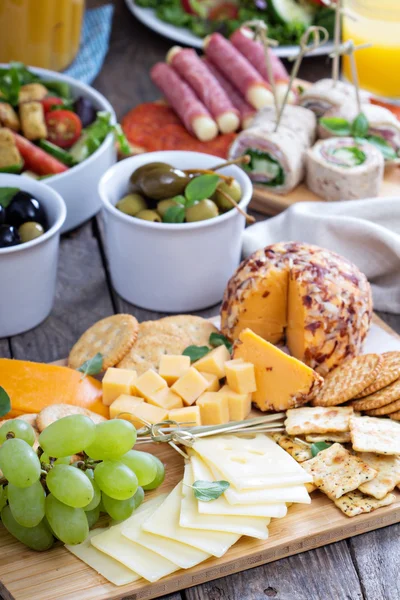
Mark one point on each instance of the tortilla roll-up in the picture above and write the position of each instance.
(191, 68)
(246, 111)
(183, 100)
(277, 158)
(238, 70)
(301, 121)
(327, 94)
(342, 169)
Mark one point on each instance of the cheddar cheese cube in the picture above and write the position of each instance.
(214, 408)
(189, 416)
(240, 376)
(117, 382)
(213, 382)
(124, 405)
(149, 384)
(165, 398)
(190, 386)
(214, 362)
(144, 413)
(239, 404)
(172, 367)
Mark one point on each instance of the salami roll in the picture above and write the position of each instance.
(342, 169)
(238, 71)
(183, 100)
(300, 120)
(327, 94)
(189, 66)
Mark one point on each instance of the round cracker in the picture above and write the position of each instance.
(384, 410)
(395, 416)
(54, 412)
(348, 380)
(158, 327)
(389, 373)
(197, 328)
(147, 352)
(379, 399)
(113, 337)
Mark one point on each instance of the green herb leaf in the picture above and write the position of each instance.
(318, 447)
(124, 145)
(200, 188)
(174, 214)
(218, 339)
(359, 127)
(336, 125)
(6, 195)
(379, 142)
(196, 352)
(93, 366)
(5, 402)
(209, 490)
(350, 156)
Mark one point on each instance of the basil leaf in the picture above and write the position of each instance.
(93, 366)
(359, 127)
(196, 352)
(200, 188)
(209, 490)
(318, 447)
(218, 339)
(174, 214)
(379, 142)
(350, 156)
(6, 195)
(336, 125)
(5, 402)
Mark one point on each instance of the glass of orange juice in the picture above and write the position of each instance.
(41, 33)
(376, 22)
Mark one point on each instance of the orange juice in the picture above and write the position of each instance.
(377, 22)
(41, 33)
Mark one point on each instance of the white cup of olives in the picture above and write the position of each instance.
(173, 228)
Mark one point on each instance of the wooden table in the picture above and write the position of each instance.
(364, 567)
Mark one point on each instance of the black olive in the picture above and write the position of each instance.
(8, 236)
(2, 215)
(85, 111)
(23, 208)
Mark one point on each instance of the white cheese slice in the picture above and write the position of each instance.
(106, 566)
(222, 507)
(165, 522)
(251, 462)
(190, 517)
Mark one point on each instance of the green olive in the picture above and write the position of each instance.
(131, 204)
(138, 173)
(149, 215)
(205, 209)
(162, 183)
(30, 231)
(164, 205)
(233, 190)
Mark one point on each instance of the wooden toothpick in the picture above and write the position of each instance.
(349, 48)
(337, 32)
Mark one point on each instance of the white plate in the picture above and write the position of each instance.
(183, 35)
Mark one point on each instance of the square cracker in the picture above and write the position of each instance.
(374, 434)
(388, 468)
(335, 471)
(342, 438)
(318, 419)
(356, 503)
(297, 450)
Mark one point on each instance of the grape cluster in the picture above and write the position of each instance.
(52, 493)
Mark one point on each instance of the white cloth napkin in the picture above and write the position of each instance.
(367, 232)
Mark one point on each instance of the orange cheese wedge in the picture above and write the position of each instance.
(33, 386)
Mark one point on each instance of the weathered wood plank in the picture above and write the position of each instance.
(5, 348)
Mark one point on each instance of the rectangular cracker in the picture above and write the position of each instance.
(342, 438)
(335, 471)
(318, 419)
(297, 450)
(356, 503)
(388, 468)
(375, 434)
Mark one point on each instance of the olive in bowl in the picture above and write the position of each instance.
(22, 217)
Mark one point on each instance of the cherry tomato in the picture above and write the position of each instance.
(187, 7)
(49, 102)
(63, 127)
(226, 10)
(36, 159)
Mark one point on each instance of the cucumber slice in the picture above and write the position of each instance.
(58, 153)
(289, 11)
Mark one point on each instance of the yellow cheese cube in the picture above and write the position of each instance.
(165, 398)
(190, 386)
(214, 362)
(123, 405)
(189, 415)
(240, 376)
(117, 382)
(149, 383)
(214, 408)
(144, 413)
(239, 404)
(172, 367)
(213, 382)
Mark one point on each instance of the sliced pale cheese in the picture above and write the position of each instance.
(108, 567)
(221, 506)
(256, 462)
(190, 517)
(165, 522)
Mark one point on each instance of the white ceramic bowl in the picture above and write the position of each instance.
(28, 271)
(78, 186)
(170, 267)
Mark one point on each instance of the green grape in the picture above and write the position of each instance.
(19, 463)
(92, 516)
(70, 486)
(138, 497)
(101, 507)
(116, 479)
(119, 510)
(68, 435)
(38, 537)
(69, 524)
(113, 439)
(159, 478)
(96, 492)
(3, 496)
(27, 504)
(20, 429)
(142, 464)
(64, 460)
